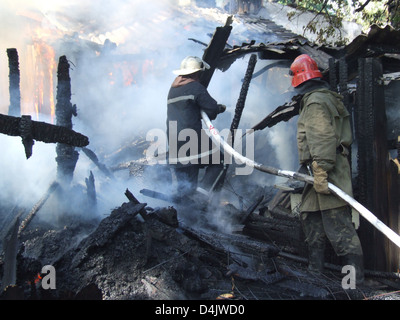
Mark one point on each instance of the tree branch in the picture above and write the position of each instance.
(363, 6)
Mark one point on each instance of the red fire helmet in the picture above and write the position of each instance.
(302, 69)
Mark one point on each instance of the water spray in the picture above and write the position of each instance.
(368, 215)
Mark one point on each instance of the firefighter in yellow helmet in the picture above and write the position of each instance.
(324, 137)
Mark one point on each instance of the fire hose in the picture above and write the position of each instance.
(368, 215)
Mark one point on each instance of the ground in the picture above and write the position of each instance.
(126, 257)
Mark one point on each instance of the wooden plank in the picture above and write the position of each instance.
(14, 85)
(214, 50)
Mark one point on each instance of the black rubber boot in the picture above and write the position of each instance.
(357, 261)
(316, 259)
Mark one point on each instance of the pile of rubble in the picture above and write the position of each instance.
(139, 252)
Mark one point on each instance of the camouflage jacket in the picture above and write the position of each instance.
(324, 135)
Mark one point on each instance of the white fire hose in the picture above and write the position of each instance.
(369, 216)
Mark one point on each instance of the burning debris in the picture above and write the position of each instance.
(244, 245)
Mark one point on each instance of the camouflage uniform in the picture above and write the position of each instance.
(323, 135)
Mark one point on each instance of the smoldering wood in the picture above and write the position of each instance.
(189, 201)
(250, 210)
(30, 130)
(25, 130)
(332, 73)
(53, 187)
(92, 156)
(230, 243)
(284, 112)
(370, 121)
(198, 41)
(14, 83)
(67, 156)
(91, 192)
(157, 195)
(11, 246)
(149, 234)
(267, 276)
(215, 49)
(106, 230)
(133, 199)
(277, 228)
(242, 96)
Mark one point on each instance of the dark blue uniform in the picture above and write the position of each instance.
(185, 100)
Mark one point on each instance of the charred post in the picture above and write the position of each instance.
(91, 192)
(30, 130)
(332, 72)
(53, 187)
(14, 85)
(214, 50)
(242, 96)
(371, 135)
(67, 157)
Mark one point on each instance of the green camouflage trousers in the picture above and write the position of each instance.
(334, 225)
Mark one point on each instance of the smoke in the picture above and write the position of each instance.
(121, 54)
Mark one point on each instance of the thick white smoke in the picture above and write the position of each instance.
(122, 54)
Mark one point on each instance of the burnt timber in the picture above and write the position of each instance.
(358, 71)
(14, 83)
(31, 130)
(67, 156)
(151, 258)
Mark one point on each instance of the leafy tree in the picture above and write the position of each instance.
(364, 12)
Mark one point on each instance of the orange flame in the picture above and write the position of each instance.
(40, 67)
(45, 65)
(37, 279)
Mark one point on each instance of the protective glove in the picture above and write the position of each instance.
(320, 179)
(222, 108)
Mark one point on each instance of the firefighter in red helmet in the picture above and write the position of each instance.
(304, 68)
(324, 137)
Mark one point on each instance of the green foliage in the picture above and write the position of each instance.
(364, 12)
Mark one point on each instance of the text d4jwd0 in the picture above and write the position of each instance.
(227, 309)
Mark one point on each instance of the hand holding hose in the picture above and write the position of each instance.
(320, 179)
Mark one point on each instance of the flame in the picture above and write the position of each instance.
(130, 72)
(124, 72)
(45, 66)
(148, 66)
(37, 279)
(38, 71)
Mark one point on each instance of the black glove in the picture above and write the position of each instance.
(222, 108)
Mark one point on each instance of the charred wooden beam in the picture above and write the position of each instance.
(227, 242)
(67, 157)
(284, 231)
(281, 113)
(14, 83)
(133, 199)
(106, 230)
(332, 73)
(215, 49)
(242, 96)
(92, 156)
(322, 58)
(91, 192)
(10, 244)
(53, 187)
(371, 135)
(31, 130)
